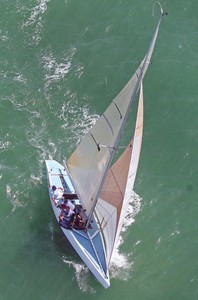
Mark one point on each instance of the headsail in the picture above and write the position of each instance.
(89, 163)
(117, 189)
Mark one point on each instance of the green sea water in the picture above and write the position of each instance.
(61, 64)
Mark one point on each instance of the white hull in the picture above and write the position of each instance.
(79, 239)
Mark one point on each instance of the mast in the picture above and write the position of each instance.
(143, 68)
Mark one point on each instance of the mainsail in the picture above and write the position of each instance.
(89, 163)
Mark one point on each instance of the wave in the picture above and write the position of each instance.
(81, 275)
(14, 198)
(56, 70)
(4, 35)
(82, 120)
(5, 144)
(35, 19)
(20, 78)
(121, 263)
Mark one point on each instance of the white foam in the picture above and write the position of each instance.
(35, 19)
(79, 71)
(176, 232)
(56, 70)
(36, 12)
(14, 198)
(35, 179)
(3, 36)
(60, 71)
(121, 263)
(20, 78)
(84, 120)
(4, 145)
(81, 274)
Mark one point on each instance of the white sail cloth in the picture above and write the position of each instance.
(87, 165)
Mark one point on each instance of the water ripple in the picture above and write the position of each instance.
(35, 19)
(56, 70)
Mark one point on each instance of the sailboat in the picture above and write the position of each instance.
(99, 190)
